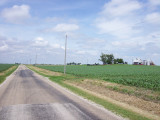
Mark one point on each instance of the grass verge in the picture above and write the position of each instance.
(110, 106)
(10, 71)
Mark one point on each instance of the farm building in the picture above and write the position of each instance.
(73, 63)
(138, 61)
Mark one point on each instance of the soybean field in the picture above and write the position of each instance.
(132, 75)
(4, 67)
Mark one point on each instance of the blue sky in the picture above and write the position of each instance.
(128, 29)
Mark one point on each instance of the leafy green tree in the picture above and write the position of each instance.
(118, 60)
(106, 58)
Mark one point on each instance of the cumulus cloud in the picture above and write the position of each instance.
(115, 18)
(16, 14)
(40, 42)
(81, 52)
(120, 7)
(153, 18)
(125, 44)
(64, 28)
(4, 47)
(55, 46)
(148, 43)
(115, 27)
(154, 36)
(95, 41)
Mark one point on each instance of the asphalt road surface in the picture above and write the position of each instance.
(26, 95)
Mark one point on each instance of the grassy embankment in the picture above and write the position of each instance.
(60, 79)
(6, 70)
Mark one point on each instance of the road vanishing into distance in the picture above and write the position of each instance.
(25, 95)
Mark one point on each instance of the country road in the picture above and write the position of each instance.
(25, 95)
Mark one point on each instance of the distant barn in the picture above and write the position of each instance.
(73, 63)
(138, 61)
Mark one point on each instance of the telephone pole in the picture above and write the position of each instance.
(36, 58)
(65, 55)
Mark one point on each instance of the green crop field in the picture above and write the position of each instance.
(132, 75)
(4, 67)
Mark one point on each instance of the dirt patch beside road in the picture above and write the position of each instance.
(146, 108)
(44, 71)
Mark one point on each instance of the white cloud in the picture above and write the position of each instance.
(4, 47)
(156, 54)
(115, 27)
(154, 36)
(81, 52)
(153, 18)
(40, 42)
(16, 14)
(20, 51)
(116, 18)
(142, 44)
(95, 41)
(62, 47)
(65, 27)
(116, 43)
(56, 45)
(125, 44)
(120, 7)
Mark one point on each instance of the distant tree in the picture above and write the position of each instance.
(115, 61)
(118, 60)
(106, 58)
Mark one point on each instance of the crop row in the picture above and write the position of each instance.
(140, 76)
(4, 67)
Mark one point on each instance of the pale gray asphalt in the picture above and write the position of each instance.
(27, 96)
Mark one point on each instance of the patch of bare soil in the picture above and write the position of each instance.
(143, 93)
(130, 101)
(46, 72)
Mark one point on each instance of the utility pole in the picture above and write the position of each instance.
(65, 55)
(36, 58)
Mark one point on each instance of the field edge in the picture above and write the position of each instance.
(6, 74)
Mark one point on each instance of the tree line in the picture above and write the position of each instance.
(109, 59)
